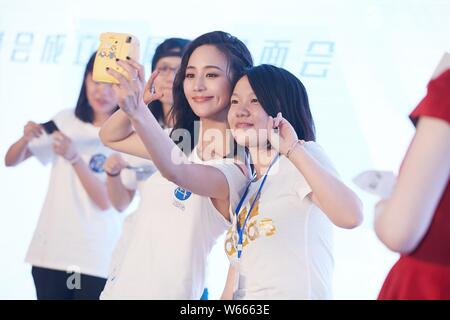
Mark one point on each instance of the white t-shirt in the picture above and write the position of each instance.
(72, 232)
(166, 255)
(134, 178)
(287, 243)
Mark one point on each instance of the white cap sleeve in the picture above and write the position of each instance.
(237, 182)
(302, 187)
(236, 179)
(316, 151)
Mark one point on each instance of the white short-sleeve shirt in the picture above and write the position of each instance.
(134, 178)
(167, 253)
(72, 232)
(287, 241)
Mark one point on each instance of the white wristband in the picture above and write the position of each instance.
(74, 159)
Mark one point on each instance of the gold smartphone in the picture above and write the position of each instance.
(113, 46)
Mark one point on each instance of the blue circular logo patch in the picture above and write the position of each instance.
(182, 194)
(96, 162)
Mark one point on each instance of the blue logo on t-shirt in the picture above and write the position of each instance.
(96, 162)
(182, 194)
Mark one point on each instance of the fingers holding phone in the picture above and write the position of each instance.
(49, 126)
(32, 130)
(63, 146)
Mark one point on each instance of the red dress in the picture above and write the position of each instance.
(425, 272)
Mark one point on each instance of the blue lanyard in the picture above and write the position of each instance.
(240, 230)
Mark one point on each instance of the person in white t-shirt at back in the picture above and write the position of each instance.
(190, 194)
(280, 241)
(77, 229)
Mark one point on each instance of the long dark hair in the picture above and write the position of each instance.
(238, 57)
(172, 47)
(278, 90)
(83, 109)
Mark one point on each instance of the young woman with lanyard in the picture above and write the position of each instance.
(280, 242)
(77, 230)
(192, 190)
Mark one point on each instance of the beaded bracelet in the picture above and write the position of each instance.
(302, 142)
(74, 159)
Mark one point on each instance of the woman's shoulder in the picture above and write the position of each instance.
(231, 165)
(314, 147)
(65, 118)
(435, 103)
(318, 153)
(64, 114)
(288, 170)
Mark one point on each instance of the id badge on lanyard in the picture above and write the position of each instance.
(240, 230)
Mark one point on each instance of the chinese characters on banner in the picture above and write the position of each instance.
(315, 62)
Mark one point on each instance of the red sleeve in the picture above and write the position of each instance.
(436, 103)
